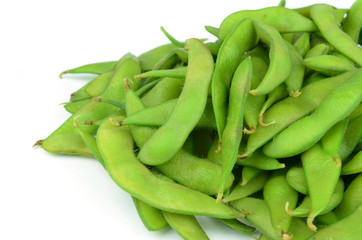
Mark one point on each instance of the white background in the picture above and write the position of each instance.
(43, 196)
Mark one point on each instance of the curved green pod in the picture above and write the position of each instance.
(158, 115)
(343, 99)
(347, 228)
(179, 72)
(280, 62)
(354, 165)
(353, 23)
(323, 16)
(116, 147)
(283, 19)
(188, 110)
(291, 109)
(151, 217)
(302, 44)
(352, 198)
(351, 137)
(296, 179)
(328, 65)
(277, 193)
(232, 134)
(186, 226)
(94, 68)
(305, 207)
(149, 59)
(230, 54)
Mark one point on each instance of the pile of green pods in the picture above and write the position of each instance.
(260, 129)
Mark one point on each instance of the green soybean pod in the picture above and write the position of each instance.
(73, 107)
(353, 23)
(351, 137)
(299, 230)
(327, 218)
(170, 137)
(152, 218)
(185, 225)
(258, 215)
(187, 169)
(304, 208)
(254, 185)
(322, 168)
(277, 193)
(344, 99)
(95, 68)
(99, 84)
(249, 173)
(314, 77)
(149, 59)
(230, 54)
(287, 20)
(166, 89)
(354, 165)
(296, 179)
(260, 161)
(239, 226)
(317, 50)
(302, 45)
(213, 30)
(332, 140)
(291, 109)
(328, 65)
(280, 62)
(158, 115)
(260, 62)
(178, 72)
(323, 16)
(347, 228)
(294, 81)
(352, 198)
(356, 113)
(116, 147)
(232, 134)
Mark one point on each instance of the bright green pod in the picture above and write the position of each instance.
(322, 168)
(274, 96)
(99, 84)
(353, 23)
(186, 226)
(249, 173)
(169, 138)
(151, 217)
(339, 12)
(327, 218)
(277, 193)
(314, 77)
(294, 81)
(354, 165)
(93, 111)
(296, 179)
(343, 99)
(260, 62)
(149, 59)
(317, 50)
(213, 30)
(347, 228)
(328, 65)
(93, 68)
(258, 216)
(303, 210)
(280, 62)
(299, 229)
(291, 109)
(157, 115)
(232, 134)
(287, 20)
(179, 72)
(332, 140)
(254, 185)
(302, 45)
(73, 107)
(352, 198)
(324, 17)
(351, 137)
(166, 89)
(230, 54)
(116, 147)
(147, 87)
(187, 169)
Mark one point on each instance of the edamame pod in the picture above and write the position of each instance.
(353, 23)
(328, 65)
(344, 99)
(116, 147)
(296, 179)
(280, 62)
(287, 20)
(192, 101)
(95, 68)
(323, 16)
(354, 165)
(149, 59)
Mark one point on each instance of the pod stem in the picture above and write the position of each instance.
(249, 131)
(62, 73)
(38, 143)
(261, 121)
